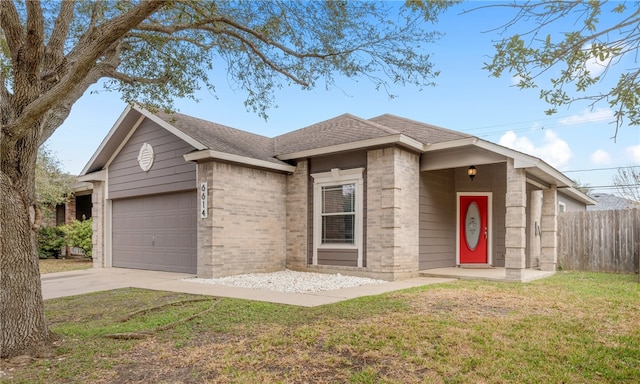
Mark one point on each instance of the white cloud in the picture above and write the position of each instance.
(600, 157)
(587, 116)
(634, 153)
(554, 151)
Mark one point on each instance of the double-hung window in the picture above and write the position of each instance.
(338, 214)
(338, 204)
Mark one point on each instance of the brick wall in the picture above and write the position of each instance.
(297, 217)
(392, 213)
(245, 231)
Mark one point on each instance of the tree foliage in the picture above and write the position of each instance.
(53, 185)
(574, 64)
(627, 182)
(153, 52)
(78, 234)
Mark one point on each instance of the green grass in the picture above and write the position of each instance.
(64, 265)
(573, 327)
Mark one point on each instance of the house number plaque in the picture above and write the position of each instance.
(203, 200)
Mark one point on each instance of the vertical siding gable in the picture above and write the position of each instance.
(169, 173)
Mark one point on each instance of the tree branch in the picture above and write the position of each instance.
(11, 26)
(54, 51)
(81, 60)
(136, 79)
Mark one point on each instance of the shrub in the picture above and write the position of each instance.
(78, 234)
(50, 242)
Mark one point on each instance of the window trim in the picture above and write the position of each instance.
(562, 207)
(334, 178)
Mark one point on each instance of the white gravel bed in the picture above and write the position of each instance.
(290, 281)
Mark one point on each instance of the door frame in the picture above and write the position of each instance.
(489, 196)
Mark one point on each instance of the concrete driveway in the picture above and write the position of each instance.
(72, 283)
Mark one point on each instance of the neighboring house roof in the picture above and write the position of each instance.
(443, 148)
(607, 202)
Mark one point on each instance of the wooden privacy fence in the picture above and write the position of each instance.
(599, 241)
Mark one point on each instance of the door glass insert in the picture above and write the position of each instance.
(472, 226)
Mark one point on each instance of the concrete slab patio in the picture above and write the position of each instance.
(72, 283)
(491, 274)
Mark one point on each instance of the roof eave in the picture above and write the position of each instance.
(209, 154)
(578, 195)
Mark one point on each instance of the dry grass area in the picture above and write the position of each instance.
(63, 265)
(571, 328)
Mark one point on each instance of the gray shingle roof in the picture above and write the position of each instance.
(222, 138)
(342, 129)
(424, 133)
(339, 130)
(607, 202)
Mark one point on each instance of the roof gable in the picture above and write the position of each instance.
(424, 133)
(339, 130)
(221, 138)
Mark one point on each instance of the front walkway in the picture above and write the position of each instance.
(492, 274)
(71, 283)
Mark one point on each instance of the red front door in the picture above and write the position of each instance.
(474, 229)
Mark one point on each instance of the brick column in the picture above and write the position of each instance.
(99, 217)
(515, 222)
(549, 229)
(205, 253)
(392, 213)
(297, 217)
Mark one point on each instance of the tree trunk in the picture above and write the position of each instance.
(23, 328)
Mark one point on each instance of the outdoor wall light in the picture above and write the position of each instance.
(472, 172)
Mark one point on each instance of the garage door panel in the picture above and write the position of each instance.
(156, 232)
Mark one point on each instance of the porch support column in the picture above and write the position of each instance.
(549, 230)
(98, 225)
(209, 259)
(515, 222)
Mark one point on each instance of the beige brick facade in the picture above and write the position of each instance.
(515, 222)
(245, 231)
(297, 217)
(392, 240)
(98, 211)
(549, 230)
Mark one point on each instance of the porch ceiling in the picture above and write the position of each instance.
(459, 157)
(474, 151)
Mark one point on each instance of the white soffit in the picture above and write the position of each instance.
(459, 157)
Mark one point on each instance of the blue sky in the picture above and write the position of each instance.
(465, 99)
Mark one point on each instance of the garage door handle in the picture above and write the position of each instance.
(153, 240)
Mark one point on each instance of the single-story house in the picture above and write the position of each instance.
(385, 197)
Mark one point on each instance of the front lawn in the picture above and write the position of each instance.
(64, 265)
(570, 328)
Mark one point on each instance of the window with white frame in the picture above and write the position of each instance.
(562, 207)
(338, 204)
(338, 214)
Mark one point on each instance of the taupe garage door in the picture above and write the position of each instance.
(155, 232)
